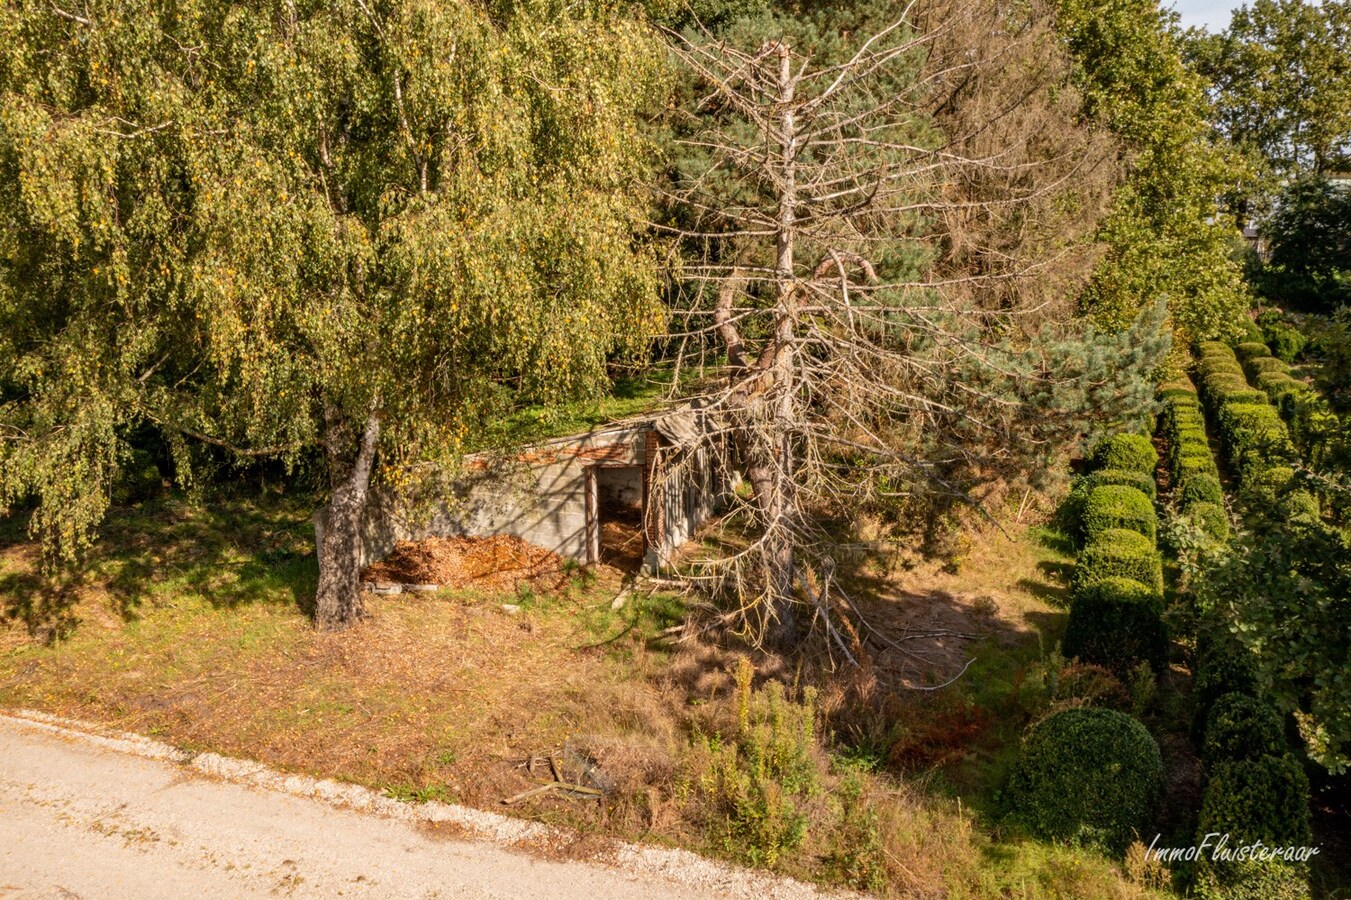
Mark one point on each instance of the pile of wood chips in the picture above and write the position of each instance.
(500, 562)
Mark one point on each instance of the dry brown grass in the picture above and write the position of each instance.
(194, 637)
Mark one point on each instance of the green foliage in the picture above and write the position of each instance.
(1162, 235)
(1117, 552)
(1287, 586)
(1223, 666)
(1199, 488)
(858, 855)
(1139, 480)
(1253, 880)
(1209, 517)
(1118, 506)
(1117, 623)
(1090, 776)
(1134, 452)
(1333, 377)
(267, 230)
(757, 781)
(1241, 727)
(1264, 364)
(1218, 349)
(1309, 236)
(1261, 67)
(1251, 350)
(1287, 342)
(1263, 799)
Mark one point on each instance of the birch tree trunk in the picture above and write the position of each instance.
(338, 600)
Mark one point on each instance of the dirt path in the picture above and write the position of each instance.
(110, 816)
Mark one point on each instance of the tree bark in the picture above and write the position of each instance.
(338, 602)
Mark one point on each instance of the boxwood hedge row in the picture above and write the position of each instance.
(1191, 463)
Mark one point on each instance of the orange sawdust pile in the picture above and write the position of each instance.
(499, 562)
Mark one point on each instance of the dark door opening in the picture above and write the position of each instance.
(619, 516)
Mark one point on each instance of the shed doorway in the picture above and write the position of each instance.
(615, 516)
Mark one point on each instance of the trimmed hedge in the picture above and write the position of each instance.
(1214, 348)
(1118, 552)
(1255, 367)
(1223, 666)
(1116, 623)
(1251, 350)
(1264, 799)
(1200, 488)
(1087, 776)
(1279, 384)
(1209, 517)
(1133, 452)
(1118, 506)
(1138, 480)
(1244, 394)
(1241, 727)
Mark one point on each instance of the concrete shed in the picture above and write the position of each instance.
(629, 494)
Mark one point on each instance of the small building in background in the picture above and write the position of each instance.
(629, 494)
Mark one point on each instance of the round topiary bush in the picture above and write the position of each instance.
(1241, 726)
(1116, 623)
(1118, 552)
(1299, 505)
(1178, 392)
(1087, 776)
(1264, 799)
(1126, 451)
(1263, 486)
(1279, 384)
(1209, 517)
(1286, 342)
(1188, 433)
(1200, 488)
(1118, 506)
(1138, 480)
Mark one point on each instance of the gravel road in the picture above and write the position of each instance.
(100, 815)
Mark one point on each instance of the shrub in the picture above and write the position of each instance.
(1116, 623)
(1178, 392)
(1251, 350)
(1278, 384)
(1216, 366)
(1253, 433)
(1287, 343)
(1090, 776)
(1262, 486)
(1138, 480)
(1118, 552)
(1134, 452)
(1243, 394)
(1192, 466)
(1223, 666)
(754, 782)
(1200, 488)
(1240, 726)
(1264, 799)
(1252, 880)
(1209, 517)
(1299, 505)
(1255, 367)
(1193, 433)
(1207, 349)
(1118, 506)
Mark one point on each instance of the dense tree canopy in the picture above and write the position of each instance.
(278, 226)
(1280, 78)
(1165, 237)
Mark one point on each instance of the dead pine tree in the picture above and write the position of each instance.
(856, 362)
